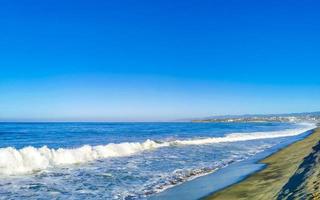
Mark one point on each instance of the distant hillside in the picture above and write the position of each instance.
(291, 117)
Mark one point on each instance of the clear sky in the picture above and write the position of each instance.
(123, 60)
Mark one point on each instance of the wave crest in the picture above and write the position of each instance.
(30, 159)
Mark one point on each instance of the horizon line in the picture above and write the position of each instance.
(187, 119)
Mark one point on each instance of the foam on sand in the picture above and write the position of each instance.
(30, 159)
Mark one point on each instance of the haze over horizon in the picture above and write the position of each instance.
(157, 61)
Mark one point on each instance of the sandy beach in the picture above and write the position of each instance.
(291, 173)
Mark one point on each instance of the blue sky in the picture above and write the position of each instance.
(127, 60)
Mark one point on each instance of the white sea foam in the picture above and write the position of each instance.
(238, 137)
(30, 159)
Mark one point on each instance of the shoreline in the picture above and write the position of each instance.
(281, 172)
(204, 186)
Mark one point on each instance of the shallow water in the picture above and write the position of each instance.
(146, 157)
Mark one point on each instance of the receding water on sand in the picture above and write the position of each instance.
(235, 172)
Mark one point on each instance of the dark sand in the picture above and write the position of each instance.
(291, 173)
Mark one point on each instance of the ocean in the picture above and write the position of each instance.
(124, 160)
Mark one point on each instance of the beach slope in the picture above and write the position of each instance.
(291, 173)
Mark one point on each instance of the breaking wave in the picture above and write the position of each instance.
(30, 159)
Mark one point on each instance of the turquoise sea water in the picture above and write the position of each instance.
(123, 160)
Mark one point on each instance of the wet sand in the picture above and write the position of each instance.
(291, 173)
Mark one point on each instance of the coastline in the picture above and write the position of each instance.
(291, 172)
(203, 186)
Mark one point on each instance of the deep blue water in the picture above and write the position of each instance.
(56, 135)
(135, 169)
